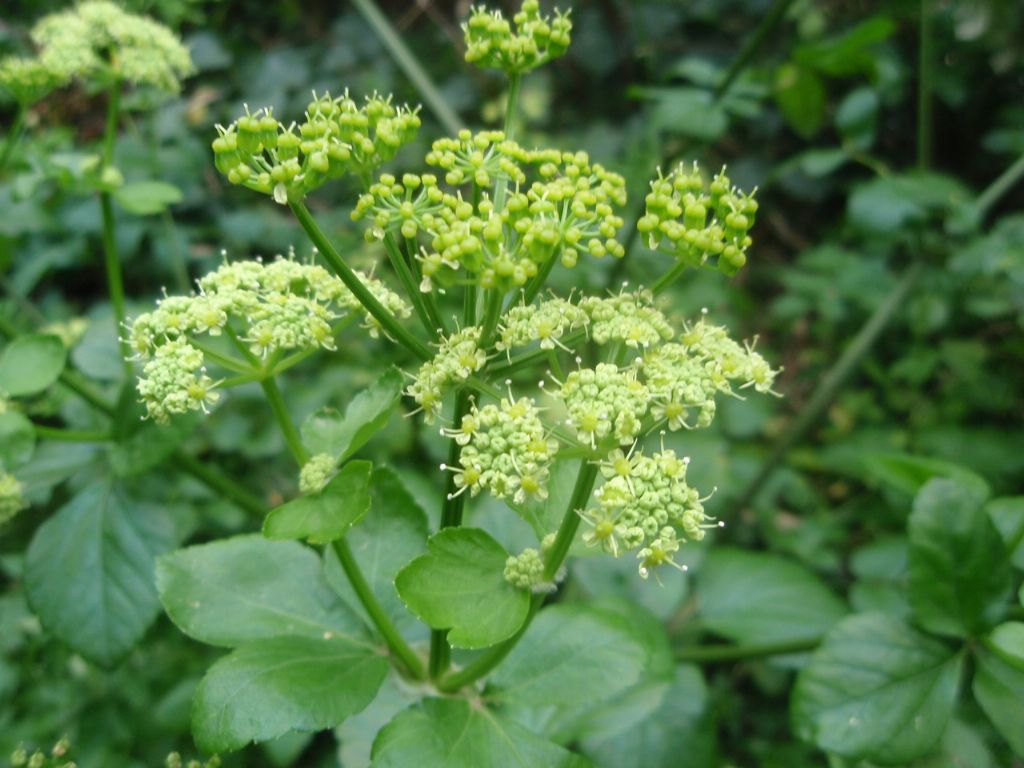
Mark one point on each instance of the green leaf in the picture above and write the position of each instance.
(246, 588)
(896, 205)
(760, 598)
(999, 689)
(30, 364)
(959, 574)
(857, 118)
(454, 733)
(1008, 515)
(574, 658)
(268, 687)
(678, 733)
(89, 570)
(145, 198)
(691, 112)
(326, 431)
(17, 440)
(878, 690)
(393, 533)
(460, 585)
(848, 52)
(150, 445)
(908, 474)
(324, 516)
(800, 95)
(1007, 642)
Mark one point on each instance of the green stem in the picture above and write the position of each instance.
(537, 282)
(225, 361)
(429, 299)
(835, 378)
(995, 191)
(412, 290)
(71, 435)
(394, 640)
(220, 483)
(553, 560)
(514, 82)
(924, 88)
(751, 46)
(408, 63)
(13, 135)
(713, 653)
(284, 421)
(492, 313)
(388, 321)
(668, 278)
(76, 384)
(111, 260)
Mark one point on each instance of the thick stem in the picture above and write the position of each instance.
(713, 653)
(395, 642)
(412, 290)
(284, 421)
(408, 63)
(492, 313)
(514, 82)
(663, 282)
(924, 88)
(553, 560)
(835, 378)
(391, 325)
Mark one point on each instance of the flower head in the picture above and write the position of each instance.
(317, 472)
(491, 43)
(28, 79)
(525, 570)
(337, 137)
(605, 401)
(695, 220)
(98, 38)
(458, 357)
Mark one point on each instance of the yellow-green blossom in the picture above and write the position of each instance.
(458, 357)
(537, 39)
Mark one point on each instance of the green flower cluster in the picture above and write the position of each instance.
(525, 570)
(27, 79)
(546, 322)
(11, 499)
(570, 206)
(605, 401)
(505, 450)
(272, 308)
(317, 472)
(98, 39)
(458, 357)
(695, 220)
(640, 506)
(338, 137)
(630, 318)
(491, 43)
(21, 758)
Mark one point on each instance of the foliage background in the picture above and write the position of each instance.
(823, 119)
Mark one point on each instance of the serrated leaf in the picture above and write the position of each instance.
(877, 690)
(269, 687)
(145, 198)
(246, 588)
(17, 440)
(327, 515)
(460, 585)
(30, 364)
(959, 575)
(573, 659)
(999, 689)
(392, 534)
(761, 598)
(327, 431)
(453, 733)
(89, 570)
